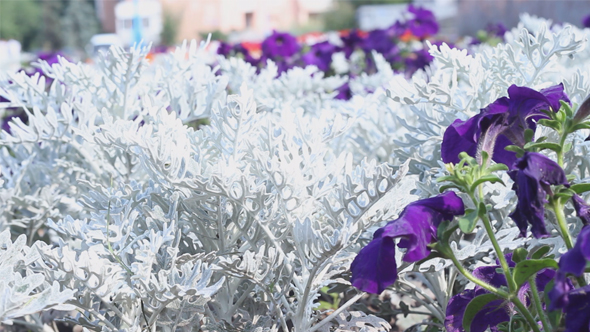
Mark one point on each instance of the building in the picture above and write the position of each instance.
(242, 19)
(137, 20)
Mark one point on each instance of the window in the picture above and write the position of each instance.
(146, 22)
(249, 19)
(128, 24)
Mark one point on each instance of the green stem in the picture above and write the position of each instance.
(499, 253)
(562, 138)
(449, 254)
(538, 305)
(500, 293)
(562, 223)
(505, 267)
(527, 315)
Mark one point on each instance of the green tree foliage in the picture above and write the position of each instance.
(78, 24)
(341, 17)
(169, 28)
(343, 14)
(358, 3)
(20, 20)
(49, 34)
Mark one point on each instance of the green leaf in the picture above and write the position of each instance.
(550, 123)
(445, 178)
(543, 145)
(540, 252)
(529, 134)
(468, 221)
(519, 255)
(474, 307)
(514, 148)
(450, 186)
(566, 108)
(580, 188)
(486, 178)
(497, 167)
(583, 125)
(530, 267)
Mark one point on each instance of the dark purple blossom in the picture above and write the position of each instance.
(495, 312)
(383, 41)
(492, 314)
(496, 30)
(533, 174)
(582, 209)
(575, 303)
(417, 60)
(500, 124)
(280, 44)
(423, 24)
(576, 311)
(344, 92)
(374, 268)
(586, 21)
(320, 55)
(351, 42)
(224, 49)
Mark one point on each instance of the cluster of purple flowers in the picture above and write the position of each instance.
(285, 50)
(508, 122)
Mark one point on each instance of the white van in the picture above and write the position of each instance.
(102, 42)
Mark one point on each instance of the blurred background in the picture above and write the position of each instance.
(79, 28)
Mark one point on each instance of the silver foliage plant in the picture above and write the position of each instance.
(148, 223)
(118, 212)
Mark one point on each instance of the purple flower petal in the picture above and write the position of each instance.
(423, 24)
(280, 44)
(501, 123)
(532, 175)
(374, 268)
(574, 261)
(576, 311)
(582, 209)
(492, 314)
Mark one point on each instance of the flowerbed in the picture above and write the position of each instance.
(183, 196)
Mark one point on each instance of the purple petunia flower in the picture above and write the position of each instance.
(492, 314)
(320, 55)
(576, 311)
(224, 49)
(496, 30)
(351, 42)
(344, 92)
(417, 60)
(280, 44)
(582, 209)
(532, 175)
(382, 41)
(495, 312)
(423, 24)
(586, 21)
(374, 268)
(575, 303)
(500, 124)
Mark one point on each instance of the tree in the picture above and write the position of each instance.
(78, 24)
(19, 20)
(343, 14)
(358, 3)
(169, 28)
(49, 35)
